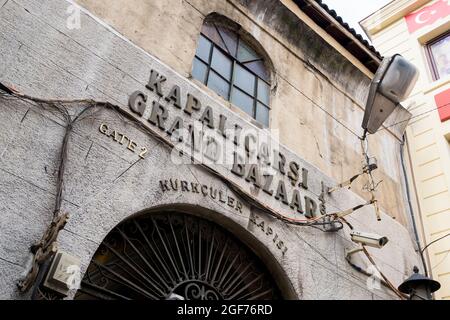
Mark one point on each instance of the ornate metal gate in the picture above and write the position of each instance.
(173, 255)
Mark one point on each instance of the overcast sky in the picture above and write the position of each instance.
(352, 11)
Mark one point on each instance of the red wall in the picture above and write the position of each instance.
(443, 103)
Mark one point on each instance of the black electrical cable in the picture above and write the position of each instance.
(91, 104)
(448, 234)
(417, 115)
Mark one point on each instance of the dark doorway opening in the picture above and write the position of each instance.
(175, 256)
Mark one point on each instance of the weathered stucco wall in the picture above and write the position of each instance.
(42, 57)
(318, 96)
(104, 184)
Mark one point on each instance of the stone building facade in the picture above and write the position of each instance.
(100, 94)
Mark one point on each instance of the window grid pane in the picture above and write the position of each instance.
(243, 85)
(221, 64)
(242, 100)
(245, 53)
(218, 84)
(263, 92)
(199, 70)
(210, 32)
(244, 79)
(262, 114)
(258, 68)
(203, 48)
(230, 39)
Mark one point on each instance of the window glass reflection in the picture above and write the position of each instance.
(221, 63)
(244, 80)
(242, 100)
(441, 56)
(263, 92)
(203, 49)
(262, 114)
(199, 70)
(216, 83)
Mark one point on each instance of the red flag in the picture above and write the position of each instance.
(427, 15)
(443, 103)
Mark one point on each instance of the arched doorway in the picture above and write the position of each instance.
(174, 255)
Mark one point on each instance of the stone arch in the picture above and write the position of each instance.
(224, 225)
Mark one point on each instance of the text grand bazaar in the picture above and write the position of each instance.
(254, 173)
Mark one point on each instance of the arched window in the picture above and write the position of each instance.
(233, 69)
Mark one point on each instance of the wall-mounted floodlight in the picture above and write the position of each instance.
(392, 83)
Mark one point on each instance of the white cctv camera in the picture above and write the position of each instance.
(369, 239)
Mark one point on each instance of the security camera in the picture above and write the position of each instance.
(369, 239)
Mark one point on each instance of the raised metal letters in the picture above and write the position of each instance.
(254, 173)
(122, 139)
(265, 227)
(173, 184)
